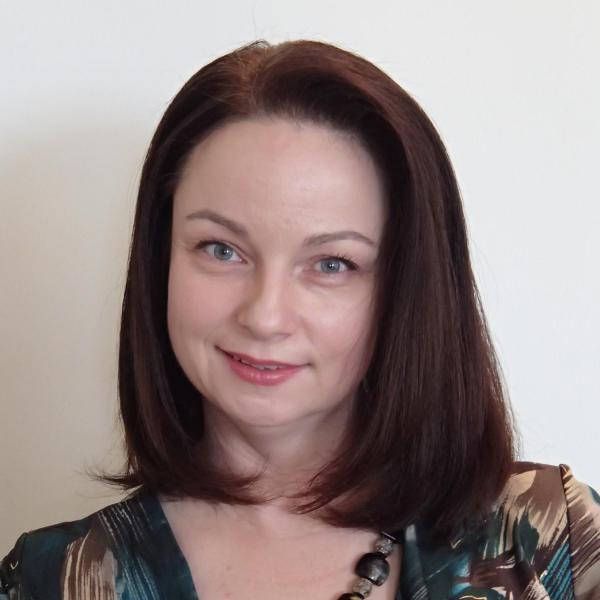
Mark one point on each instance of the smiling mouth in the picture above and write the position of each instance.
(261, 375)
(257, 363)
(259, 367)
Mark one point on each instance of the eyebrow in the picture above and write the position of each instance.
(311, 240)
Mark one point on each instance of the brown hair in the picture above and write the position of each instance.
(432, 436)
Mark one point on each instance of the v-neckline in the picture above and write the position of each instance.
(174, 576)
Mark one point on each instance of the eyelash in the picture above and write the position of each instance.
(352, 266)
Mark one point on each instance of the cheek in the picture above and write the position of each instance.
(344, 333)
(193, 304)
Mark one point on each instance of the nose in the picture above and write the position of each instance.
(266, 306)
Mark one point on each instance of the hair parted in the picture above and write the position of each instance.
(432, 436)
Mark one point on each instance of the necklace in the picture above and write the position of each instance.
(372, 568)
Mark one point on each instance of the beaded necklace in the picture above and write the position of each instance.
(372, 568)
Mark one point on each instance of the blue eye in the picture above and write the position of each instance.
(223, 251)
(331, 261)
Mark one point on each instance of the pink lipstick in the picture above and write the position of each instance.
(264, 376)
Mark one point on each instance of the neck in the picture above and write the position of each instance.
(287, 455)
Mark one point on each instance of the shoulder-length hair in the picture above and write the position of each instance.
(432, 436)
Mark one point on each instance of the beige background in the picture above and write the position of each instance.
(513, 88)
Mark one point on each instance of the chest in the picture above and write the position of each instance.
(291, 575)
(235, 568)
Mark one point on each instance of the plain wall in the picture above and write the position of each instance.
(513, 88)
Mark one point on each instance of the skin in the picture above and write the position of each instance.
(269, 296)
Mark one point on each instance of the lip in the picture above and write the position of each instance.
(256, 376)
(256, 361)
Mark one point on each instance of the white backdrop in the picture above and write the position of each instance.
(513, 88)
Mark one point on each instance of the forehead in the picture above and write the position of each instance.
(283, 171)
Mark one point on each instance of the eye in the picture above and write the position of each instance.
(222, 251)
(335, 264)
(332, 264)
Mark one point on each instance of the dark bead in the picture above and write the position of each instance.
(352, 596)
(374, 567)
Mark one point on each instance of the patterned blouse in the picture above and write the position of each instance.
(542, 541)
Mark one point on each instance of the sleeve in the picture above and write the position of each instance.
(583, 516)
(10, 571)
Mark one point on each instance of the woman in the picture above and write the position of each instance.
(311, 402)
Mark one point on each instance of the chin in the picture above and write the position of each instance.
(257, 416)
(249, 410)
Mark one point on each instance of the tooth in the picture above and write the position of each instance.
(271, 368)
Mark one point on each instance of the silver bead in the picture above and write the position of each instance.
(384, 545)
(362, 586)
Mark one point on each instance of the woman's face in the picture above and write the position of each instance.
(260, 213)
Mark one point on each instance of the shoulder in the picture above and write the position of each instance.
(541, 539)
(552, 521)
(537, 489)
(62, 555)
(532, 483)
(583, 517)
